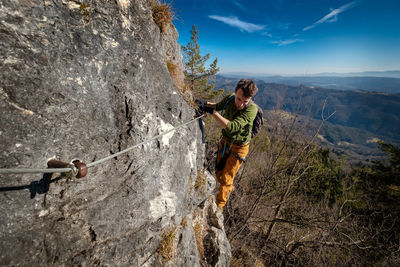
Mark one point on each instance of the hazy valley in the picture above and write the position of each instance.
(386, 81)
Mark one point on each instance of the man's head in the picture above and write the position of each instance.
(245, 90)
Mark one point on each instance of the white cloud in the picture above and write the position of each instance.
(235, 22)
(267, 34)
(283, 25)
(309, 27)
(239, 5)
(287, 42)
(331, 17)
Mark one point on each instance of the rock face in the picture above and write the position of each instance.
(86, 80)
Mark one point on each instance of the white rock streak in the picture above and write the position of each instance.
(164, 204)
(124, 4)
(164, 127)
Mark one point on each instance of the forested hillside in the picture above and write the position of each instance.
(374, 112)
(357, 144)
(293, 204)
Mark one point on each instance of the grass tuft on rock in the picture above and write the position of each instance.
(201, 181)
(166, 247)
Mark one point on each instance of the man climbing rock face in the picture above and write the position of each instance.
(236, 122)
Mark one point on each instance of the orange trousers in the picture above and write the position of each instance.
(226, 175)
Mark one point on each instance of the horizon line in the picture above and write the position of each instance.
(305, 74)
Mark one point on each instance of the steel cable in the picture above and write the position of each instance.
(94, 163)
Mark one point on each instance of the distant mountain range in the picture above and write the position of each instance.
(387, 74)
(385, 81)
(360, 118)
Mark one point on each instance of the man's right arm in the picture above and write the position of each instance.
(221, 120)
(219, 105)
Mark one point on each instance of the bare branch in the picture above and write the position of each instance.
(355, 242)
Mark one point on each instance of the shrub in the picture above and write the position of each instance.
(162, 14)
(174, 73)
(171, 68)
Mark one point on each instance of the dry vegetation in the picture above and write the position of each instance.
(184, 222)
(198, 232)
(201, 181)
(165, 249)
(172, 69)
(176, 73)
(162, 14)
(294, 205)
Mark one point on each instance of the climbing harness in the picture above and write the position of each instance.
(79, 169)
(227, 150)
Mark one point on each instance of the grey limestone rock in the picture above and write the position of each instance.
(211, 238)
(86, 80)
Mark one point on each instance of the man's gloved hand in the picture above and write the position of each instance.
(209, 110)
(201, 103)
(203, 106)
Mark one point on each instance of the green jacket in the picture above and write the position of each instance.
(237, 130)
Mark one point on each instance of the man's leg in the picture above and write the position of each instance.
(229, 172)
(227, 175)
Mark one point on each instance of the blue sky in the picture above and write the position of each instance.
(294, 36)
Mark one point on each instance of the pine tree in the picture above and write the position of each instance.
(200, 80)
